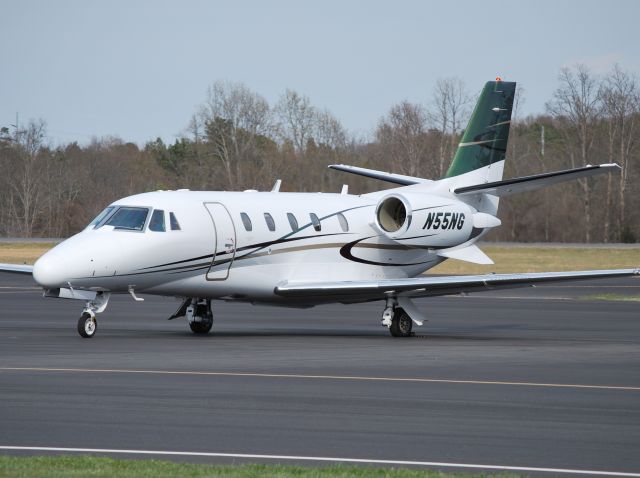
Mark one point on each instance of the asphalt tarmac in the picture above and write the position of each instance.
(538, 378)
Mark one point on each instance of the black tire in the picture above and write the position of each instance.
(401, 324)
(203, 327)
(87, 325)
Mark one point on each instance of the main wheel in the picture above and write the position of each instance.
(87, 325)
(202, 327)
(401, 324)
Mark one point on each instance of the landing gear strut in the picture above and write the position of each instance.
(87, 323)
(397, 319)
(200, 316)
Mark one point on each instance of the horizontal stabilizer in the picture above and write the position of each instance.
(470, 253)
(17, 268)
(381, 175)
(537, 181)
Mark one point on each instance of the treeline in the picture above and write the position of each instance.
(237, 140)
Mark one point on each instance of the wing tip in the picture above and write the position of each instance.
(16, 268)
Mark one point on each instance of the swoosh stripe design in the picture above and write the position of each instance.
(345, 251)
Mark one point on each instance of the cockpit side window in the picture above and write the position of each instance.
(175, 225)
(157, 221)
(101, 217)
(129, 218)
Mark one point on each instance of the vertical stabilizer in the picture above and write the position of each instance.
(484, 141)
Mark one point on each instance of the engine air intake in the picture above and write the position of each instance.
(392, 214)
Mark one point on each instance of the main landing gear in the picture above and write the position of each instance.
(396, 316)
(198, 314)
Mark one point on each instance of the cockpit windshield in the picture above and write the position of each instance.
(101, 217)
(129, 218)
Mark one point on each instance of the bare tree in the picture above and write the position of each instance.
(235, 117)
(450, 109)
(297, 118)
(621, 107)
(402, 134)
(328, 131)
(195, 128)
(27, 175)
(576, 103)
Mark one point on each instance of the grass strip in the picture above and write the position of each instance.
(23, 252)
(100, 467)
(544, 259)
(507, 258)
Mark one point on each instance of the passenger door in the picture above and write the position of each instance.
(224, 251)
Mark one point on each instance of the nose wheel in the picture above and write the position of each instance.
(87, 325)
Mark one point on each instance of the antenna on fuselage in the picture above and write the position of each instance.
(276, 186)
(345, 189)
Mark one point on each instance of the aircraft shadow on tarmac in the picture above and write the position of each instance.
(505, 333)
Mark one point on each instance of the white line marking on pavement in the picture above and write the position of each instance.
(322, 377)
(18, 291)
(317, 458)
(22, 287)
(588, 287)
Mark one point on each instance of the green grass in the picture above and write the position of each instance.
(507, 258)
(614, 297)
(542, 259)
(23, 252)
(95, 467)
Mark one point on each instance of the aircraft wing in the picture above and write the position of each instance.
(537, 181)
(16, 268)
(429, 286)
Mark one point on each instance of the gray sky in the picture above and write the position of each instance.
(139, 69)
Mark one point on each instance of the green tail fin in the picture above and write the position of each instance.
(485, 140)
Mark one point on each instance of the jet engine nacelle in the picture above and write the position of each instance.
(415, 219)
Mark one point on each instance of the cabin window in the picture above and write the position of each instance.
(101, 217)
(175, 225)
(246, 221)
(315, 221)
(270, 222)
(343, 222)
(293, 222)
(156, 223)
(129, 218)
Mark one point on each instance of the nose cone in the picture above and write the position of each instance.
(48, 272)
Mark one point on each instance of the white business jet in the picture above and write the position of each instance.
(305, 249)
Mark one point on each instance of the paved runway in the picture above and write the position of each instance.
(533, 378)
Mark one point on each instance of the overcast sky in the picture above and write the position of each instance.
(139, 69)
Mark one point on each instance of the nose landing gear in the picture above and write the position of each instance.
(87, 323)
